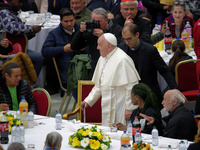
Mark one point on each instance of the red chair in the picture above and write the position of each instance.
(93, 114)
(43, 101)
(16, 49)
(21, 39)
(186, 78)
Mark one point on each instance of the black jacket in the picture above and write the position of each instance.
(180, 124)
(143, 25)
(149, 63)
(23, 89)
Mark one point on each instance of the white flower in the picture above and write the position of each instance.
(84, 142)
(105, 139)
(104, 147)
(90, 134)
(98, 130)
(104, 134)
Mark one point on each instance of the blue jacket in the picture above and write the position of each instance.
(93, 4)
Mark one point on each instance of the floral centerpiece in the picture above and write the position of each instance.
(90, 138)
(12, 121)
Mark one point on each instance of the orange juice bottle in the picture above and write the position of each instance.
(185, 38)
(23, 105)
(125, 140)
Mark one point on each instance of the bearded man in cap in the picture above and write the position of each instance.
(114, 77)
(130, 14)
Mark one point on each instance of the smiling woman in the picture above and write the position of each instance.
(178, 19)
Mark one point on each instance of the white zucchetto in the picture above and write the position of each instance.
(110, 38)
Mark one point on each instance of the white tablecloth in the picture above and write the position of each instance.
(46, 125)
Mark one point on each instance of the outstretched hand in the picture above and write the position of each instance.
(148, 118)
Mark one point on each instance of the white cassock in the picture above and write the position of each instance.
(114, 78)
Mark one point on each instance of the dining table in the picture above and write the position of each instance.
(44, 125)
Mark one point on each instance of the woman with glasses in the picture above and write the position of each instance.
(178, 19)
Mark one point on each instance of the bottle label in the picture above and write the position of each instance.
(168, 40)
(189, 30)
(134, 130)
(125, 142)
(185, 38)
(21, 109)
(3, 126)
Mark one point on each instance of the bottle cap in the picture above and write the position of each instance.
(23, 97)
(154, 127)
(124, 131)
(136, 117)
(169, 146)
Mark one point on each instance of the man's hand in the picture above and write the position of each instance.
(128, 20)
(148, 118)
(3, 56)
(4, 107)
(82, 27)
(98, 32)
(67, 48)
(84, 104)
(4, 43)
(36, 28)
(164, 29)
(189, 14)
(120, 126)
(128, 114)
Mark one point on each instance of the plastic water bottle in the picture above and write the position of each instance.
(185, 38)
(129, 147)
(18, 134)
(188, 27)
(154, 134)
(182, 146)
(129, 129)
(18, 114)
(135, 126)
(22, 129)
(168, 40)
(169, 147)
(58, 119)
(156, 29)
(13, 133)
(138, 136)
(125, 140)
(30, 119)
(25, 119)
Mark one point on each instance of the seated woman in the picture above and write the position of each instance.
(53, 141)
(147, 102)
(178, 48)
(196, 144)
(177, 20)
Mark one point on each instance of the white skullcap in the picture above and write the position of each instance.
(110, 38)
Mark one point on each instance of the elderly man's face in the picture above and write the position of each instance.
(17, 4)
(77, 5)
(167, 103)
(102, 46)
(129, 10)
(68, 22)
(15, 77)
(102, 21)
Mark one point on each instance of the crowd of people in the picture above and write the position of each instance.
(116, 36)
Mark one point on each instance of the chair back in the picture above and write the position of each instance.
(43, 101)
(21, 39)
(93, 114)
(186, 75)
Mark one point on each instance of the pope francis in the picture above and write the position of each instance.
(114, 77)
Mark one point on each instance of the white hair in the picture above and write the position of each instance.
(54, 140)
(176, 94)
(129, 2)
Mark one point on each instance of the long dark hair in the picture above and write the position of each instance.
(150, 100)
(178, 47)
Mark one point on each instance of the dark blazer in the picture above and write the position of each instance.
(194, 146)
(93, 4)
(149, 63)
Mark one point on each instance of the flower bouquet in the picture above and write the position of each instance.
(12, 121)
(90, 138)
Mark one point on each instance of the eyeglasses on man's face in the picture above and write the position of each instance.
(127, 39)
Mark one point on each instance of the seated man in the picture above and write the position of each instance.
(58, 42)
(13, 87)
(180, 123)
(5, 48)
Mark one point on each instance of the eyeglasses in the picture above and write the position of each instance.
(179, 3)
(128, 39)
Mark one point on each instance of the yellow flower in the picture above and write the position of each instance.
(84, 133)
(80, 131)
(10, 118)
(75, 142)
(10, 128)
(91, 141)
(95, 134)
(18, 123)
(70, 139)
(100, 137)
(95, 145)
(10, 122)
(109, 138)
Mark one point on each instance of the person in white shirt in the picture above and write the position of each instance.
(114, 76)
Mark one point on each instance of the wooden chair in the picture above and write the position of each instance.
(186, 78)
(93, 114)
(21, 39)
(65, 90)
(43, 101)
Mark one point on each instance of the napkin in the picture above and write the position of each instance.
(174, 145)
(55, 17)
